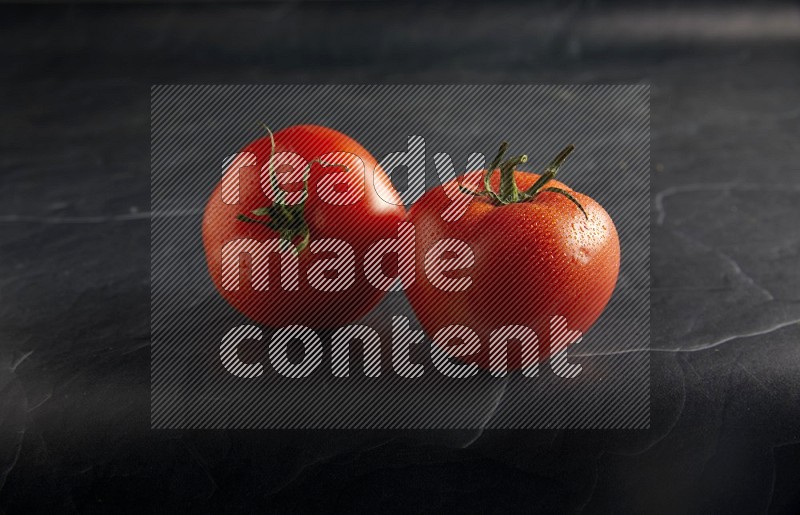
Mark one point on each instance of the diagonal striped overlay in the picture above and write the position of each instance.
(195, 128)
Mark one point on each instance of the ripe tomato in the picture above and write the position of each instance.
(344, 201)
(541, 250)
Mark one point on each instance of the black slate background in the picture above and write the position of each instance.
(74, 260)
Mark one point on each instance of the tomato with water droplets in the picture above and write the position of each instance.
(540, 251)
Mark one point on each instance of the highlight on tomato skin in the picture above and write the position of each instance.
(374, 215)
(541, 250)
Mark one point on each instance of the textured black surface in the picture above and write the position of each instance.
(74, 316)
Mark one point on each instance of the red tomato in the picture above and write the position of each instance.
(365, 208)
(541, 250)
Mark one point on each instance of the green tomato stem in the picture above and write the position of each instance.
(509, 192)
(287, 220)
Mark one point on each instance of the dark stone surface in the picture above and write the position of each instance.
(74, 317)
